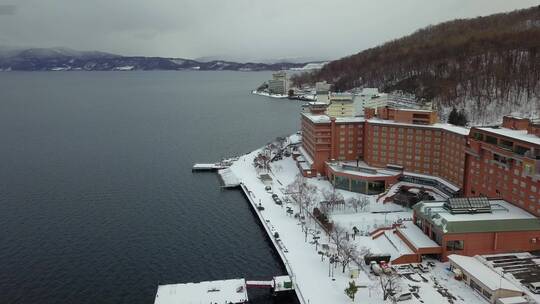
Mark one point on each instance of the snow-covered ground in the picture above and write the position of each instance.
(262, 93)
(318, 281)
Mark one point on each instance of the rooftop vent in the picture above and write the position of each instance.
(468, 205)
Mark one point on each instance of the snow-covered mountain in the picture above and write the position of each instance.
(65, 59)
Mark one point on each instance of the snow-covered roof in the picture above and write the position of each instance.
(305, 166)
(225, 291)
(414, 110)
(416, 236)
(306, 155)
(389, 243)
(436, 178)
(513, 300)
(441, 126)
(482, 273)
(321, 118)
(503, 217)
(318, 103)
(295, 139)
(515, 134)
(350, 168)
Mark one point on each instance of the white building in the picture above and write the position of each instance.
(341, 105)
(322, 90)
(279, 84)
(484, 280)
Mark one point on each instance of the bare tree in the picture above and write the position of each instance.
(339, 237)
(390, 284)
(364, 203)
(332, 198)
(358, 203)
(302, 192)
(347, 254)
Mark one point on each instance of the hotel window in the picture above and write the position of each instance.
(455, 245)
(491, 140)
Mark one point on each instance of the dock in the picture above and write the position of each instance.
(222, 291)
(208, 167)
(228, 178)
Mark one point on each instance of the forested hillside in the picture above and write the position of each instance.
(486, 65)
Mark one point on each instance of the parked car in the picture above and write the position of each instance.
(404, 297)
(534, 287)
(375, 268)
(268, 189)
(385, 267)
(274, 196)
(278, 201)
(423, 268)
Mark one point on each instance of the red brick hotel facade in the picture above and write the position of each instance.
(497, 162)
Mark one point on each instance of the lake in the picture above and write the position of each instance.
(98, 203)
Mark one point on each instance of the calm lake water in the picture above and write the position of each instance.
(98, 203)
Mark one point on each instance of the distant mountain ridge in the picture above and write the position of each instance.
(486, 65)
(65, 59)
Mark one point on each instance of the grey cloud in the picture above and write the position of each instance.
(7, 9)
(235, 29)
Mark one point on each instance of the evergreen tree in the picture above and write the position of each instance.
(453, 117)
(351, 290)
(462, 118)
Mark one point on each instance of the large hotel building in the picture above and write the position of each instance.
(491, 175)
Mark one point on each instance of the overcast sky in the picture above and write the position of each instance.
(232, 29)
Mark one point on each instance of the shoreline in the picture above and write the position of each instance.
(248, 194)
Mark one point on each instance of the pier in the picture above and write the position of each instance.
(221, 291)
(224, 291)
(208, 167)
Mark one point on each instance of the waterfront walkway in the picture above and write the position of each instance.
(314, 280)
